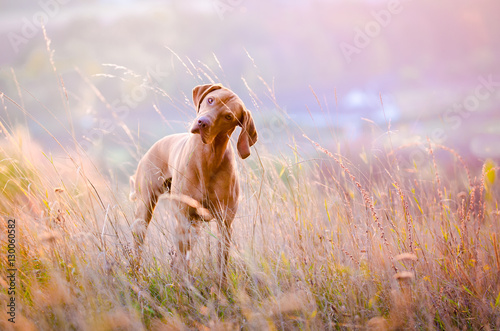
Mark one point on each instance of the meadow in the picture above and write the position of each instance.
(318, 244)
(322, 242)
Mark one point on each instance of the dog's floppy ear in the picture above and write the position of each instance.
(200, 91)
(248, 135)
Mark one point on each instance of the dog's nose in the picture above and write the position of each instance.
(203, 122)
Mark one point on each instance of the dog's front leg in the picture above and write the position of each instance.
(186, 230)
(224, 246)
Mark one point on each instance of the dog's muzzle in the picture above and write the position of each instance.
(201, 126)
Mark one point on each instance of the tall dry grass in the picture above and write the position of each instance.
(319, 243)
(315, 247)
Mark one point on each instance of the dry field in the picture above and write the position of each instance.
(319, 243)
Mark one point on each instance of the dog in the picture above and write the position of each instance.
(198, 169)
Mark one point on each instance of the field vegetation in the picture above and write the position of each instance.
(382, 242)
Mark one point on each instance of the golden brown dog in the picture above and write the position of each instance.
(198, 169)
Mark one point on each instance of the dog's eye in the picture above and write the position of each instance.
(210, 101)
(229, 117)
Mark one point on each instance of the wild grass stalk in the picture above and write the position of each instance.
(366, 197)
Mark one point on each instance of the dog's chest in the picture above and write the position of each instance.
(215, 187)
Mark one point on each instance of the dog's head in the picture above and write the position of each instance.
(219, 111)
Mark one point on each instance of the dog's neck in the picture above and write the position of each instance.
(218, 149)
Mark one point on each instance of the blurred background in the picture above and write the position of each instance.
(356, 76)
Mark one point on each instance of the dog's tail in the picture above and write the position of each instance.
(133, 193)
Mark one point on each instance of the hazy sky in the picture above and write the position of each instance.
(426, 59)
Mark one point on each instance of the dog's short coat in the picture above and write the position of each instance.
(197, 168)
